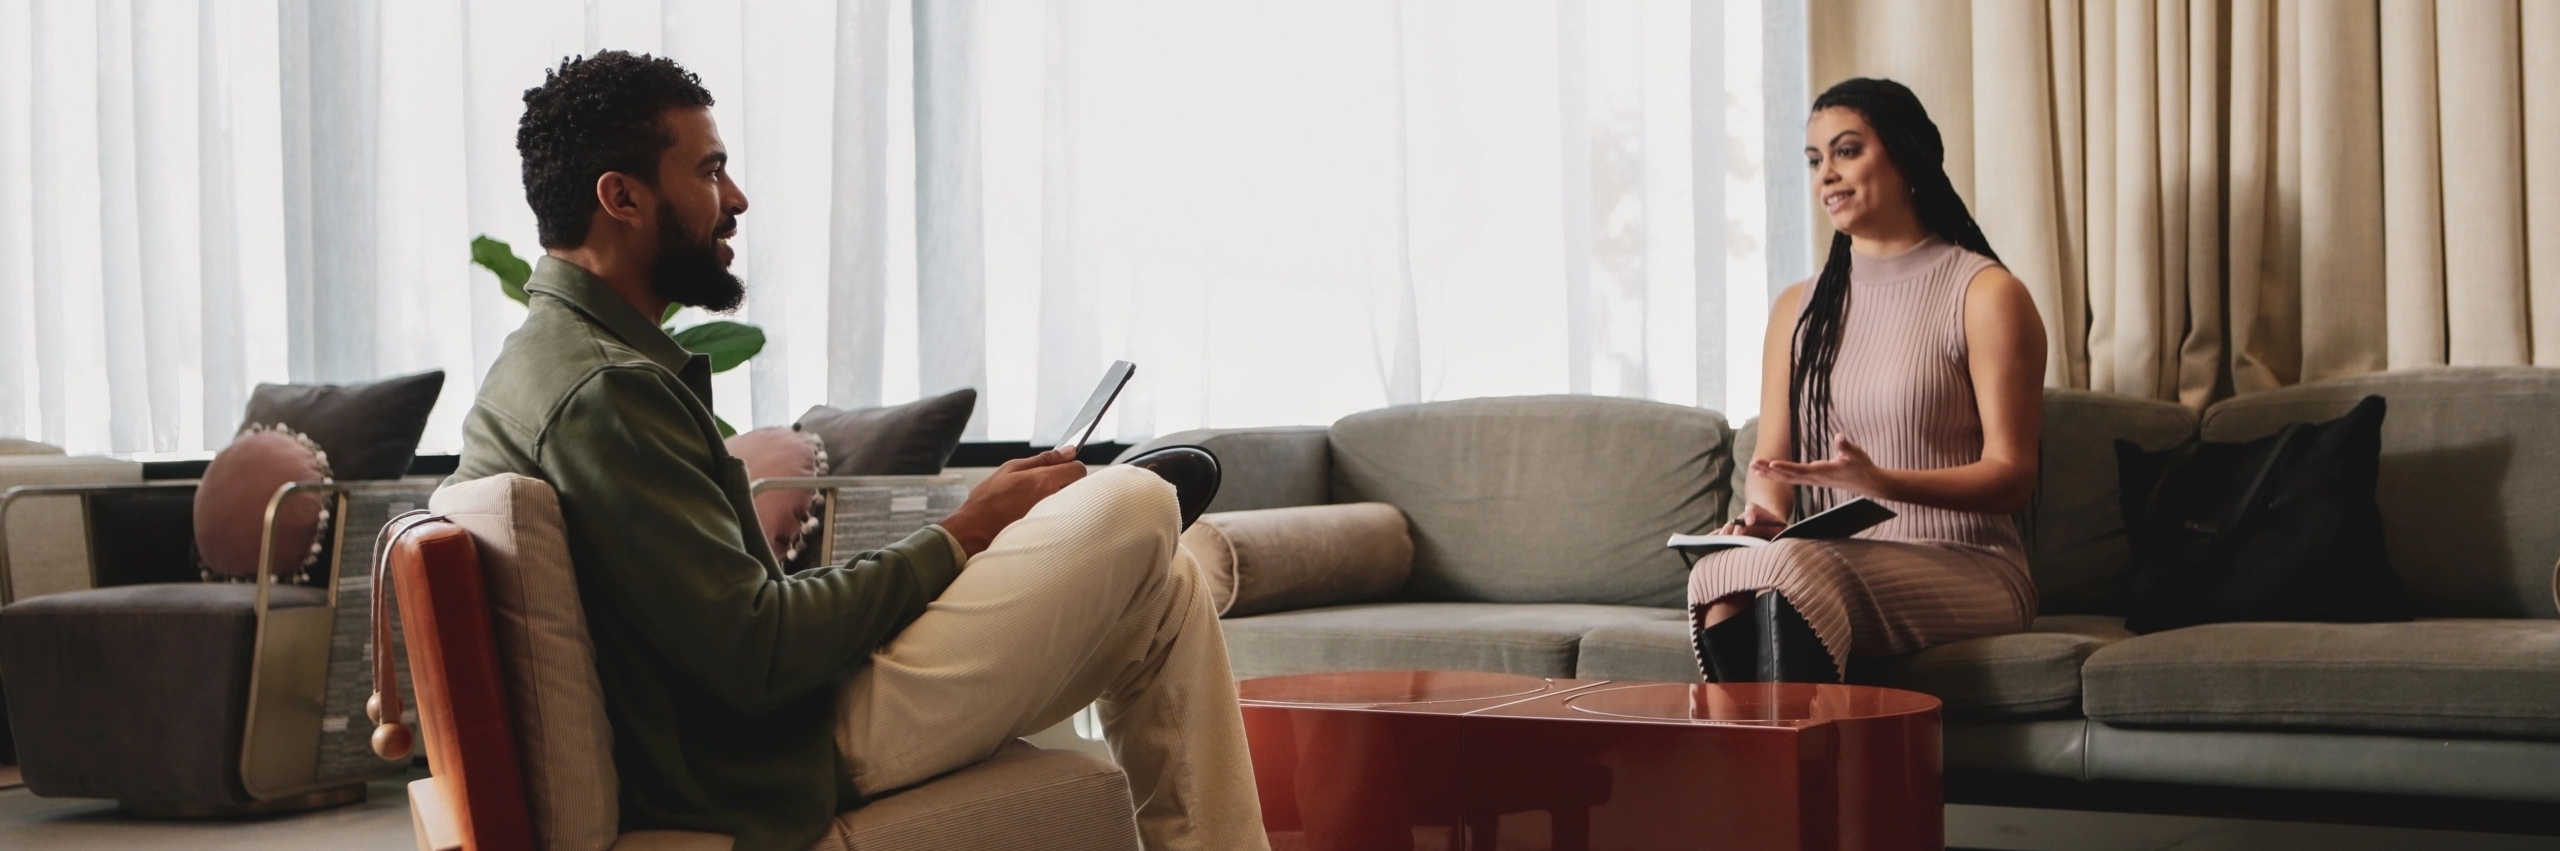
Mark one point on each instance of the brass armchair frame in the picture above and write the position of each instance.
(289, 667)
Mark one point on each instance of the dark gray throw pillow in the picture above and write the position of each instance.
(369, 430)
(913, 439)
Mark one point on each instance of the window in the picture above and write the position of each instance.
(1283, 212)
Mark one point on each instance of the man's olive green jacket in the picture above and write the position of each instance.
(720, 673)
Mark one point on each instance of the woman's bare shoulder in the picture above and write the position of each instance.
(1993, 287)
(1789, 299)
(2001, 313)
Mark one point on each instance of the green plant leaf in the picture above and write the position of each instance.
(500, 258)
(670, 315)
(728, 343)
(726, 430)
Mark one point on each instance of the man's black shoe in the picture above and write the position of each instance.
(1193, 472)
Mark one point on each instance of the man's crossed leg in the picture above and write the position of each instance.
(1089, 596)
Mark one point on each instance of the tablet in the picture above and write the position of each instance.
(1081, 428)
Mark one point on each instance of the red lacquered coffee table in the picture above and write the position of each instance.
(1455, 760)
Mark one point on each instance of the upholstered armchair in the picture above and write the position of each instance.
(176, 695)
(48, 544)
(512, 718)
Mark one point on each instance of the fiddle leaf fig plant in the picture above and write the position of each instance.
(729, 344)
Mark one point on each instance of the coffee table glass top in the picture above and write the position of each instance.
(1387, 688)
(1779, 704)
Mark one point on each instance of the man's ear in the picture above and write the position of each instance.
(622, 197)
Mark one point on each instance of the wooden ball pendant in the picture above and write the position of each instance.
(391, 741)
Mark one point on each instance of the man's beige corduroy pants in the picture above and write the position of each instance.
(1089, 597)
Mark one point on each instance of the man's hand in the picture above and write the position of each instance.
(1004, 497)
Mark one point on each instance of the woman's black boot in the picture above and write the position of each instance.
(1789, 651)
(1729, 652)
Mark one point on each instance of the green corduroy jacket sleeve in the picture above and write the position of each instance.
(656, 509)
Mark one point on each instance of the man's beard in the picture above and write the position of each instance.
(689, 273)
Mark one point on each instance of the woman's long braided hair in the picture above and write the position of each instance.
(1911, 140)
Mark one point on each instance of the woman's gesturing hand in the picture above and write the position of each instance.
(1848, 469)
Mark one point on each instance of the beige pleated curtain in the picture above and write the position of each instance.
(2213, 197)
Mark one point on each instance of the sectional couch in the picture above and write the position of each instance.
(1537, 526)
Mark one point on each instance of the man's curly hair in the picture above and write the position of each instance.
(593, 115)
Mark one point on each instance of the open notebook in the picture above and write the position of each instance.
(1843, 520)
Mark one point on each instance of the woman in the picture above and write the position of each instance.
(1911, 372)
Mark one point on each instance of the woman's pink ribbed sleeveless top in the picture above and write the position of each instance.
(1902, 389)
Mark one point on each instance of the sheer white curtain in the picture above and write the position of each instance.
(1283, 212)
(1287, 213)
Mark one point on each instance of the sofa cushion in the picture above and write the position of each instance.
(2074, 528)
(1542, 499)
(1535, 640)
(370, 431)
(2497, 677)
(1652, 651)
(2470, 478)
(138, 692)
(2035, 672)
(2436, 767)
(1276, 559)
(546, 657)
(913, 439)
(231, 522)
(1021, 798)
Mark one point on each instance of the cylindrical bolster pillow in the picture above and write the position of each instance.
(1277, 559)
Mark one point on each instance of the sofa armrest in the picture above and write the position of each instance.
(1262, 467)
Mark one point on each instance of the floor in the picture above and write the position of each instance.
(2021, 829)
(381, 823)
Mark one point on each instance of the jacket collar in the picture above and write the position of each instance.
(590, 296)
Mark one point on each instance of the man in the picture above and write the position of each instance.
(759, 705)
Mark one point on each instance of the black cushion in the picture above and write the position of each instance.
(136, 693)
(370, 431)
(913, 439)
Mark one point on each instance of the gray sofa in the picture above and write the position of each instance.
(1538, 525)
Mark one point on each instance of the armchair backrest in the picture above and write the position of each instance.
(545, 659)
(462, 701)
